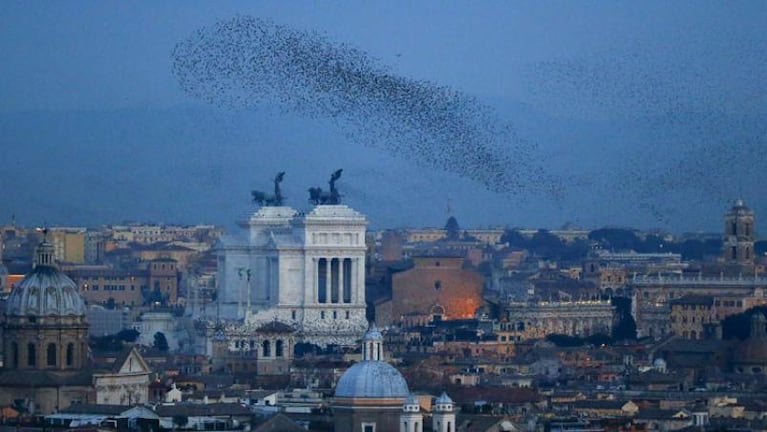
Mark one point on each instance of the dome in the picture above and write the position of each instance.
(372, 379)
(45, 291)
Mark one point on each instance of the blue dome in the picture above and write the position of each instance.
(372, 379)
(43, 292)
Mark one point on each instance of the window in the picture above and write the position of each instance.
(267, 349)
(368, 427)
(70, 354)
(31, 355)
(51, 355)
(15, 354)
(279, 348)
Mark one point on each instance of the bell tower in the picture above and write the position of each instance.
(411, 419)
(443, 417)
(739, 234)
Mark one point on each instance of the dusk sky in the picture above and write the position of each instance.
(644, 114)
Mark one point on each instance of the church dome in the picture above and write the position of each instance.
(45, 291)
(372, 379)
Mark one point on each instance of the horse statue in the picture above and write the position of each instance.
(317, 196)
(262, 198)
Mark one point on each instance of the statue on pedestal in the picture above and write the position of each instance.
(317, 196)
(262, 198)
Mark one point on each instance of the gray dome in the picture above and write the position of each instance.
(372, 379)
(45, 291)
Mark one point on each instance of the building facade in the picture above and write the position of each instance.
(438, 287)
(304, 270)
(578, 318)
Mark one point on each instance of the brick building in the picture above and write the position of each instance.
(157, 282)
(436, 286)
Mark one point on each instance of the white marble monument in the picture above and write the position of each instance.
(305, 270)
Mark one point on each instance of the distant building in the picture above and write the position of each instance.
(436, 286)
(158, 282)
(266, 351)
(45, 351)
(652, 297)
(103, 321)
(739, 234)
(69, 244)
(536, 320)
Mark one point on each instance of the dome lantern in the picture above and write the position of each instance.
(44, 253)
(372, 344)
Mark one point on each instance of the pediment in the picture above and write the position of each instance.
(132, 363)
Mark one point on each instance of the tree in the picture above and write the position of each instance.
(738, 326)
(563, 340)
(160, 342)
(626, 328)
(546, 244)
(616, 238)
(128, 335)
(514, 239)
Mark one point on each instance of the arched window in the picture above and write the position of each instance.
(50, 355)
(31, 355)
(279, 348)
(267, 351)
(70, 354)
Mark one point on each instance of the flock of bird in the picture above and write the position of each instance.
(249, 62)
(688, 149)
(689, 120)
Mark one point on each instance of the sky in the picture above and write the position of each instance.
(643, 114)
